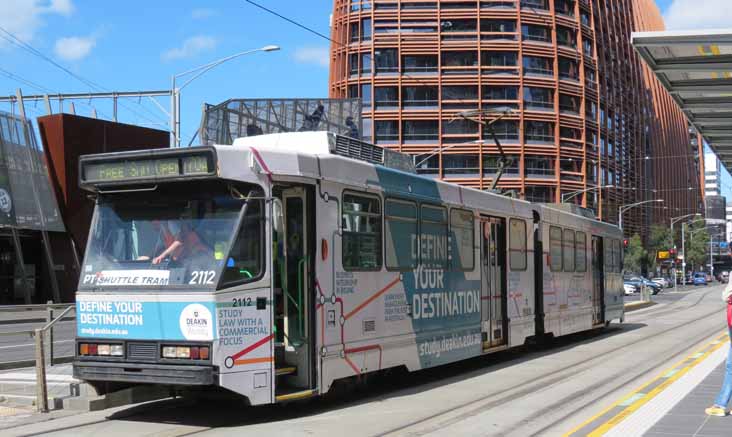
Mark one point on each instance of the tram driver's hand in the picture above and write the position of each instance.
(158, 259)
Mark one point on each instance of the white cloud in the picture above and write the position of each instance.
(23, 18)
(313, 55)
(191, 47)
(203, 13)
(74, 48)
(698, 14)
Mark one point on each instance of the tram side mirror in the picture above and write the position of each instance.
(277, 215)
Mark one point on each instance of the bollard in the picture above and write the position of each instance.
(49, 319)
(41, 390)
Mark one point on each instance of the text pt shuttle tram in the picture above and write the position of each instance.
(278, 265)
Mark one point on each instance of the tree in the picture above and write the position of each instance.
(659, 239)
(635, 255)
(697, 243)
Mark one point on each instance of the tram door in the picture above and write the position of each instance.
(598, 281)
(293, 365)
(493, 277)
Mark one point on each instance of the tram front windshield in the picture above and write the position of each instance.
(175, 239)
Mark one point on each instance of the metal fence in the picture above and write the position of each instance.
(237, 118)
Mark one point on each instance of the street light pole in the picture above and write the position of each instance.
(624, 208)
(201, 70)
(673, 237)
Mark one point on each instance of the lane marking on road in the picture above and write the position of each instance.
(620, 410)
(32, 344)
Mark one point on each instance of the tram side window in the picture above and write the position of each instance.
(361, 223)
(608, 249)
(568, 250)
(463, 233)
(400, 234)
(555, 249)
(517, 244)
(581, 253)
(433, 237)
(244, 263)
(617, 256)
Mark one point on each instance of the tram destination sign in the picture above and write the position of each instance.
(115, 168)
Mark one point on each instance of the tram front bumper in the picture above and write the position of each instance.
(168, 374)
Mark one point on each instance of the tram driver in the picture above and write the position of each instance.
(179, 240)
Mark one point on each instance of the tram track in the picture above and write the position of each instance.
(441, 420)
(466, 410)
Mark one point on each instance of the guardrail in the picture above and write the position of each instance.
(39, 335)
(41, 387)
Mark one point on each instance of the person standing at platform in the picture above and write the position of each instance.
(725, 393)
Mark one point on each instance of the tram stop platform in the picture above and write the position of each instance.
(671, 403)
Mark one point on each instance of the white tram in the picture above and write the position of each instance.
(283, 263)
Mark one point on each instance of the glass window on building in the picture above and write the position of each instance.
(460, 165)
(354, 31)
(428, 165)
(459, 126)
(568, 69)
(564, 7)
(419, 63)
(570, 104)
(419, 96)
(420, 131)
(457, 25)
(460, 59)
(366, 95)
(498, 29)
(386, 61)
(543, 195)
(535, 4)
(499, 59)
(538, 65)
(367, 130)
(504, 129)
(386, 97)
(533, 32)
(387, 131)
(587, 47)
(353, 64)
(566, 37)
(459, 92)
(510, 168)
(365, 63)
(539, 131)
(538, 98)
(366, 30)
(538, 167)
(491, 92)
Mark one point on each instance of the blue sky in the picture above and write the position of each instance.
(138, 45)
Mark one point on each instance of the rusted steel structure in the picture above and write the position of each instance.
(579, 108)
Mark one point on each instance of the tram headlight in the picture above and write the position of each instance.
(169, 351)
(101, 349)
(186, 352)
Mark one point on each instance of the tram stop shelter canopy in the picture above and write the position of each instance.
(696, 68)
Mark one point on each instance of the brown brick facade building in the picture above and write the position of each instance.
(584, 110)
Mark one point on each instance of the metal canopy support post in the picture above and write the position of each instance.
(21, 263)
(44, 232)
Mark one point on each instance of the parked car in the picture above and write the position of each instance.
(663, 282)
(724, 277)
(655, 288)
(637, 281)
(629, 288)
(700, 278)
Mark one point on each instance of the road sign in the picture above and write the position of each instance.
(664, 254)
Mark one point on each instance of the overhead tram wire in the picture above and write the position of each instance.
(327, 38)
(14, 40)
(340, 44)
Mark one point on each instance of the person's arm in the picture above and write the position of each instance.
(172, 248)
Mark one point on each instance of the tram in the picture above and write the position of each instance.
(283, 263)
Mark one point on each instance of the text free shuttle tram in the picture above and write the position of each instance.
(278, 265)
